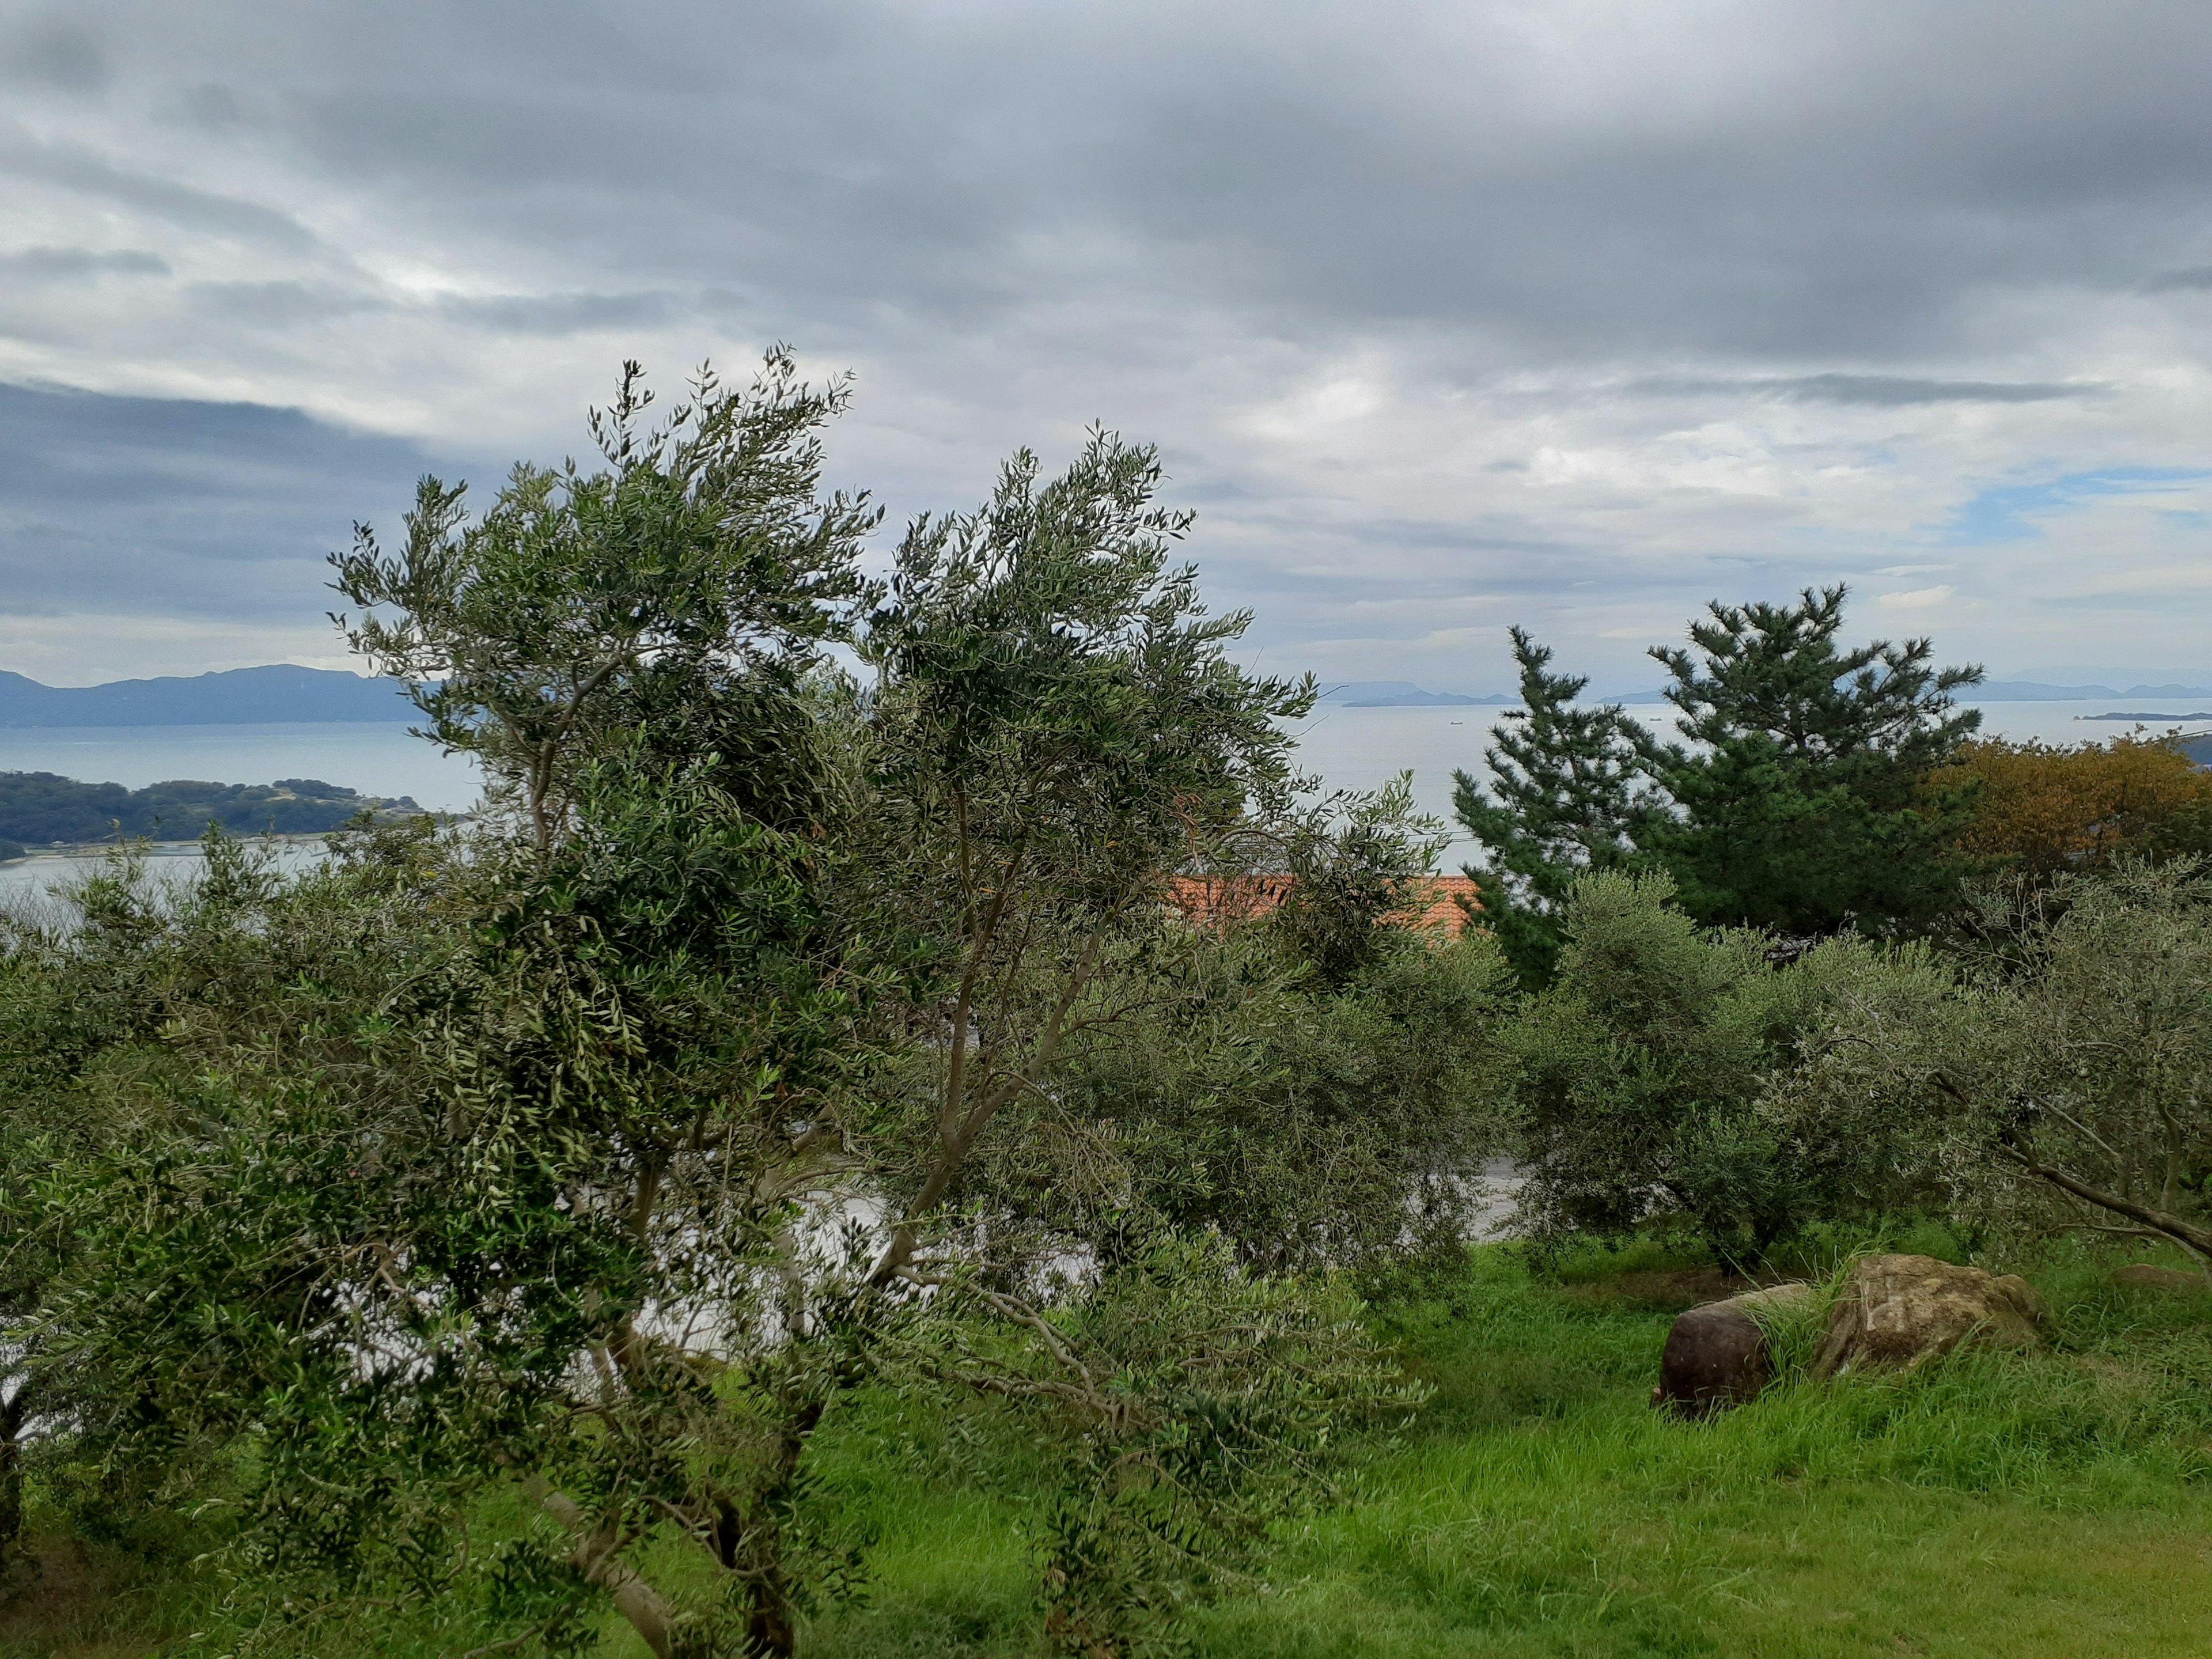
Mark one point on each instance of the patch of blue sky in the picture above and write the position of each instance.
(2006, 512)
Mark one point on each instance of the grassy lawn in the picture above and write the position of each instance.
(2057, 1504)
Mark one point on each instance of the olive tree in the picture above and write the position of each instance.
(580, 602)
(94, 1003)
(1057, 733)
(1640, 1069)
(1325, 1081)
(570, 1173)
(1057, 727)
(507, 1223)
(2060, 1080)
(498, 1185)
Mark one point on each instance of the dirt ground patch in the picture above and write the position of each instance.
(56, 1594)
(1686, 1287)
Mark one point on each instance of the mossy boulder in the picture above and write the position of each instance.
(1899, 1309)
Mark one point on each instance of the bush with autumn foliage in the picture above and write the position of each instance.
(2040, 809)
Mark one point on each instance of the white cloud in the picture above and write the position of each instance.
(1918, 598)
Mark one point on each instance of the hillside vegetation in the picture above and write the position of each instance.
(2043, 1507)
(828, 1163)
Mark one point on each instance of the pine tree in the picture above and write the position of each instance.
(1803, 793)
(1570, 792)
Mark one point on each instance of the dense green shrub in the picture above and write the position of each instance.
(2058, 1076)
(1310, 1124)
(1640, 1070)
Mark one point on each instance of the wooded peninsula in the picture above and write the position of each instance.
(40, 809)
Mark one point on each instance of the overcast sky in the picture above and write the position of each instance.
(1445, 316)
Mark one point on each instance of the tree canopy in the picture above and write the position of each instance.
(1572, 791)
(939, 997)
(1811, 792)
(579, 603)
(565, 1172)
(2038, 811)
(1799, 799)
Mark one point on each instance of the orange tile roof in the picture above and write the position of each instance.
(1436, 908)
(1442, 909)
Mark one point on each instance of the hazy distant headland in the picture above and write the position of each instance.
(1401, 694)
(279, 693)
(1404, 694)
(2030, 691)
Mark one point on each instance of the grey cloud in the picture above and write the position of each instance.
(74, 167)
(563, 313)
(1876, 391)
(1015, 218)
(1897, 391)
(2198, 278)
(50, 264)
(1304, 578)
(278, 304)
(1873, 169)
(210, 105)
(1277, 158)
(56, 52)
(284, 302)
(167, 507)
(281, 303)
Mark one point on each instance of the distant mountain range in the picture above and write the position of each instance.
(2130, 673)
(1995, 691)
(1402, 694)
(2036, 691)
(239, 696)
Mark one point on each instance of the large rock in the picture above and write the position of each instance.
(1899, 1310)
(1717, 1355)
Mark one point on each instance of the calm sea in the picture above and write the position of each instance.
(376, 760)
(1351, 748)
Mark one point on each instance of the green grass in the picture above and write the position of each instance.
(2050, 1505)
(2054, 1503)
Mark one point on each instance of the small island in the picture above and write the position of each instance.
(41, 810)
